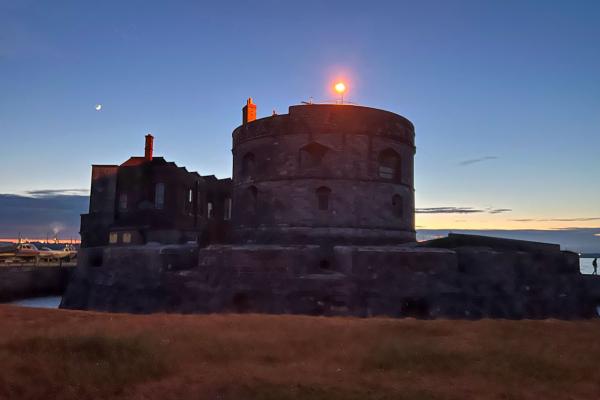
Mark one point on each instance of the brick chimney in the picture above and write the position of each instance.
(248, 112)
(149, 147)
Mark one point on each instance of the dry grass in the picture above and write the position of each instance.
(55, 354)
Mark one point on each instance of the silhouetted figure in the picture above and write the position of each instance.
(595, 265)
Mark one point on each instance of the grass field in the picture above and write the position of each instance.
(56, 354)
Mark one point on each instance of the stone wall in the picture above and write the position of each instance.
(398, 281)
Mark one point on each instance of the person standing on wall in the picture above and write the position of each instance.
(595, 265)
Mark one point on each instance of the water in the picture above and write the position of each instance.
(39, 302)
(585, 265)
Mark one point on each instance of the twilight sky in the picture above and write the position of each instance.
(505, 96)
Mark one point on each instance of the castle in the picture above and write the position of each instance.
(318, 218)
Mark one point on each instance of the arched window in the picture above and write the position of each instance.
(159, 196)
(398, 206)
(389, 165)
(312, 155)
(323, 194)
(248, 165)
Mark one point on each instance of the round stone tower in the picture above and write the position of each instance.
(324, 174)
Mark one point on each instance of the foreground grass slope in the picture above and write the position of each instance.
(56, 354)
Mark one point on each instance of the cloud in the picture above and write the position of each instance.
(41, 215)
(447, 210)
(583, 219)
(460, 210)
(476, 160)
(57, 192)
(498, 210)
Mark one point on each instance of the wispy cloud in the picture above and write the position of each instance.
(583, 219)
(476, 160)
(460, 210)
(448, 210)
(498, 210)
(57, 192)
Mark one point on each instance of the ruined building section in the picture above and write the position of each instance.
(324, 174)
(150, 200)
(321, 207)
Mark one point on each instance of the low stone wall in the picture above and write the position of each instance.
(23, 282)
(398, 281)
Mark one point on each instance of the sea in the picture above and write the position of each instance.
(585, 265)
(39, 302)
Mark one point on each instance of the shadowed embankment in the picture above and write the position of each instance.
(62, 354)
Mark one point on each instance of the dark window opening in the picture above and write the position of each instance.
(159, 196)
(96, 259)
(389, 165)
(324, 264)
(312, 155)
(415, 307)
(398, 206)
(323, 194)
(123, 201)
(248, 165)
(252, 198)
(241, 303)
(227, 207)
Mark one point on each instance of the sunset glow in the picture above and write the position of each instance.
(340, 87)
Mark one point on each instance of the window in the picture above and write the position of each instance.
(209, 209)
(312, 155)
(113, 237)
(188, 201)
(323, 194)
(123, 201)
(227, 215)
(248, 165)
(398, 206)
(159, 196)
(126, 237)
(389, 165)
(252, 199)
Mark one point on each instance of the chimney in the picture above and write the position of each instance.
(149, 147)
(248, 112)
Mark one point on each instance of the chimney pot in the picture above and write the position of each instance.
(149, 147)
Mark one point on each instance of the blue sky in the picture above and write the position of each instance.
(505, 96)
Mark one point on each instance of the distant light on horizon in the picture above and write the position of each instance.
(98, 107)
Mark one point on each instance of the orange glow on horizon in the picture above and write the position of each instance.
(42, 240)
